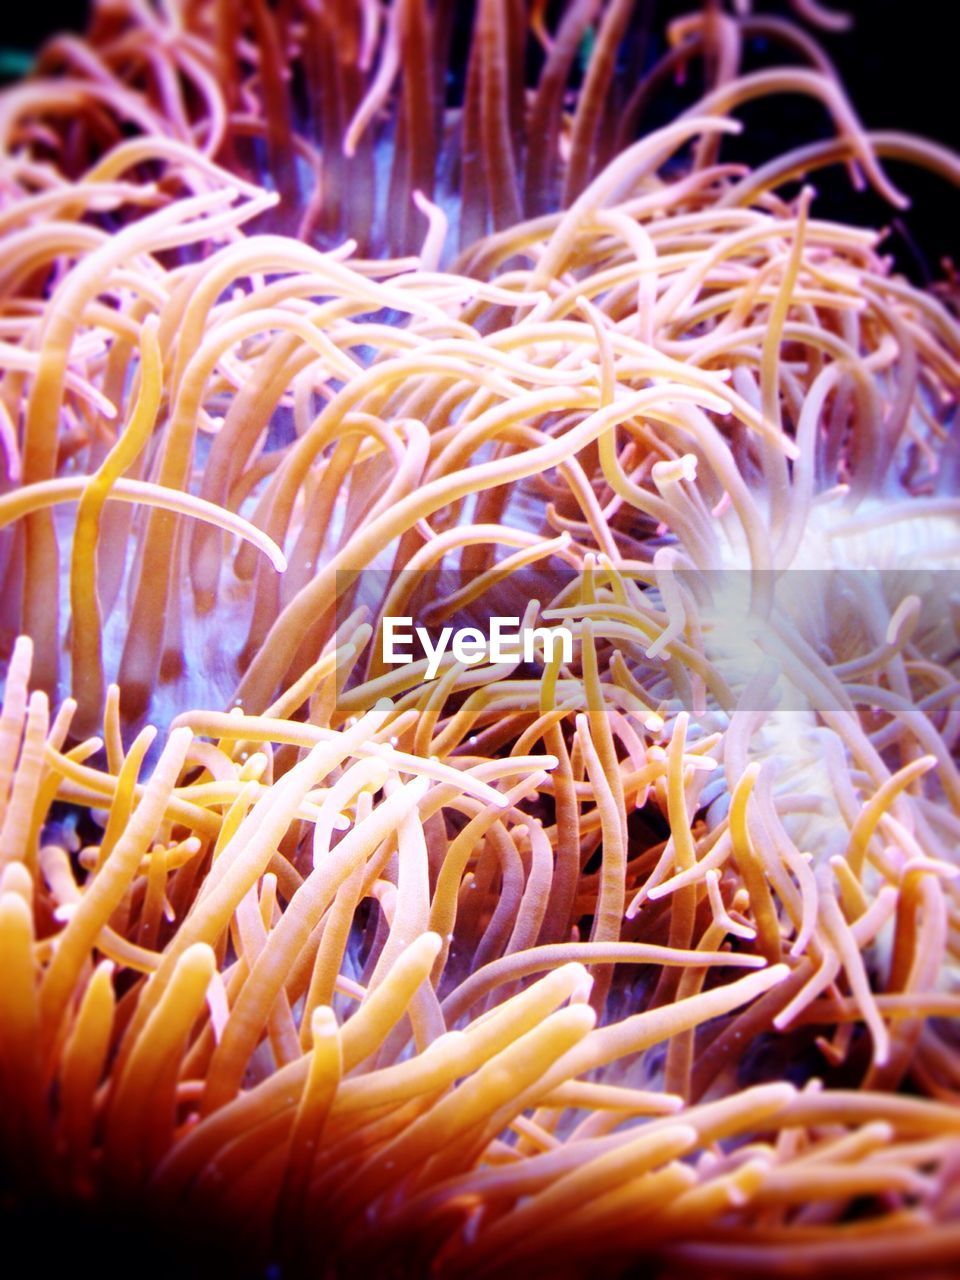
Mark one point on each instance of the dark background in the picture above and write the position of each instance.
(899, 65)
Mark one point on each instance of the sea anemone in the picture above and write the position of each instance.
(642, 955)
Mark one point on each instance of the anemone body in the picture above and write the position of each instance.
(640, 959)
